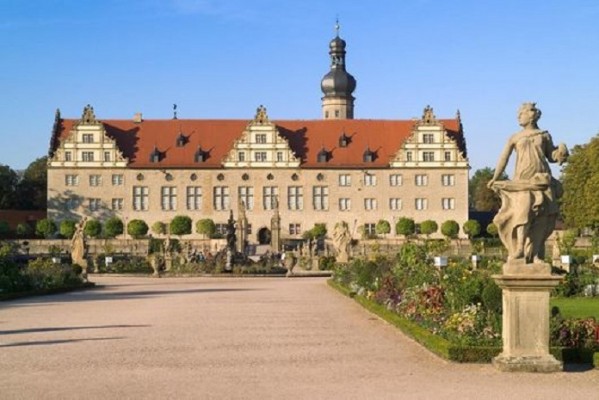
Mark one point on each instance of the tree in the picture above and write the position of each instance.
(113, 227)
(4, 228)
(137, 228)
(480, 197)
(8, 186)
(405, 227)
(579, 204)
(93, 228)
(319, 230)
(24, 230)
(159, 228)
(471, 228)
(492, 230)
(67, 228)
(45, 228)
(450, 229)
(428, 227)
(206, 227)
(32, 188)
(382, 227)
(180, 225)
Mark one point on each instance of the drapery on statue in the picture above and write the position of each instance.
(78, 249)
(529, 206)
(341, 240)
(230, 236)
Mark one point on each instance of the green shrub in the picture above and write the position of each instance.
(137, 228)
(45, 228)
(4, 228)
(180, 225)
(67, 228)
(93, 228)
(126, 265)
(596, 359)
(113, 227)
(42, 274)
(326, 263)
(206, 227)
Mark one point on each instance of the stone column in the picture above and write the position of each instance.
(526, 320)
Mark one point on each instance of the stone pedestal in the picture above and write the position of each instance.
(526, 318)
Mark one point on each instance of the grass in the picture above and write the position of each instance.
(577, 307)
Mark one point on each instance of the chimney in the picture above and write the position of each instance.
(137, 118)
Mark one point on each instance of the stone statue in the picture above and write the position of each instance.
(230, 236)
(341, 240)
(78, 247)
(529, 205)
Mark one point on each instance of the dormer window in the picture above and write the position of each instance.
(155, 155)
(181, 140)
(200, 155)
(344, 140)
(368, 156)
(323, 156)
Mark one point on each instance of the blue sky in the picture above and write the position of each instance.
(221, 59)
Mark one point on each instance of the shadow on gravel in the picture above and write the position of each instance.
(49, 342)
(67, 328)
(578, 367)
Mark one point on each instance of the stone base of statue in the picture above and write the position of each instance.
(168, 262)
(229, 261)
(526, 289)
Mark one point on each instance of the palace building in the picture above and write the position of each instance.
(313, 171)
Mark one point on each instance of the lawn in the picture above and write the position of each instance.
(577, 307)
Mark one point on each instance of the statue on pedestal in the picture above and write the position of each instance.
(341, 240)
(231, 243)
(529, 205)
(79, 248)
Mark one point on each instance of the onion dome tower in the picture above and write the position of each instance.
(337, 85)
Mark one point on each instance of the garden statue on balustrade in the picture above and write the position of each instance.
(527, 216)
(79, 247)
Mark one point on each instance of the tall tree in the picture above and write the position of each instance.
(480, 197)
(32, 188)
(579, 204)
(8, 187)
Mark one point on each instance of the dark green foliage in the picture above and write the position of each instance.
(326, 263)
(405, 227)
(4, 228)
(67, 228)
(428, 227)
(93, 228)
(480, 197)
(32, 188)
(450, 229)
(159, 228)
(45, 228)
(492, 297)
(206, 227)
(8, 187)
(24, 230)
(180, 225)
(383, 227)
(471, 228)
(113, 227)
(137, 228)
(492, 230)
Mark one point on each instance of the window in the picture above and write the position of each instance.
(320, 197)
(370, 204)
(428, 156)
(248, 229)
(68, 156)
(246, 195)
(88, 138)
(194, 197)
(71, 203)
(241, 156)
(428, 138)
(369, 229)
(448, 156)
(140, 198)
(448, 203)
(221, 229)
(421, 204)
(336, 113)
(117, 180)
(395, 180)
(269, 197)
(344, 204)
(395, 204)
(117, 204)
(345, 180)
(260, 156)
(261, 138)
(94, 204)
(369, 180)
(421, 180)
(107, 156)
(87, 156)
(221, 198)
(279, 156)
(168, 195)
(326, 114)
(95, 180)
(71, 180)
(295, 197)
(409, 156)
(448, 180)
(295, 229)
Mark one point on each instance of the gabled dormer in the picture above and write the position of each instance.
(430, 145)
(261, 146)
(88, 145)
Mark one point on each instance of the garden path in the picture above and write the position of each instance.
(235, 338)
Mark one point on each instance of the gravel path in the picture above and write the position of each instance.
(244, 338)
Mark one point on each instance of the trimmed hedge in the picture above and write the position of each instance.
(454, 352)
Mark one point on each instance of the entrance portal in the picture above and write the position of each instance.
(264, 236)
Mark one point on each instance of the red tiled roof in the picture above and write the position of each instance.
(216, 137)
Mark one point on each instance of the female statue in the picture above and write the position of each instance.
(529, 206)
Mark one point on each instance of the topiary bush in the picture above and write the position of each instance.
(137, 228)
